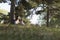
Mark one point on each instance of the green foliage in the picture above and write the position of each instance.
(26, 4)
(0, 0)
(5, 12)
(55, 20)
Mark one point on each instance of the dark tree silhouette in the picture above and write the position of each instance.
(12, 11)
(26, 4)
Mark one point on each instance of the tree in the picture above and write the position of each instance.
(50, 4)
(0, 1)
(12, 11)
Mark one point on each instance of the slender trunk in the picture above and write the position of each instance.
(12, 11)
(47, 16)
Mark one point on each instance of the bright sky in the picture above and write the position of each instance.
(5, 6)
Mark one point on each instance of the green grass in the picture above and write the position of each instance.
(16, 32)
(3, 11)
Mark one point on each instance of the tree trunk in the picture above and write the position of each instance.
(12, 11)
(47, 16)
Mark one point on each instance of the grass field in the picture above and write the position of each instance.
(16, 32)
(5, 12)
